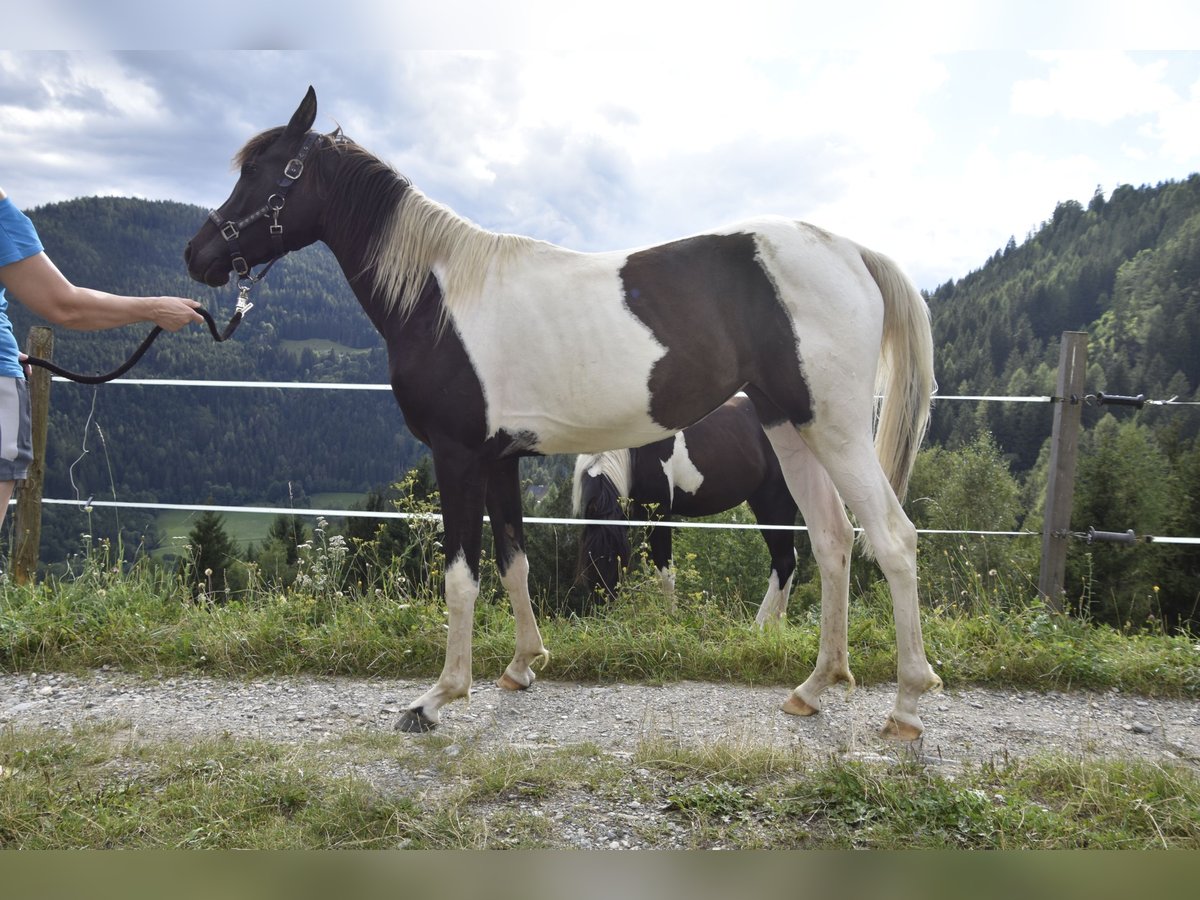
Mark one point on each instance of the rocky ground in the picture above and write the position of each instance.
(962, 726)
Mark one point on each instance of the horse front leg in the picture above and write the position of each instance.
(462, 485)
(504, 508)
(773, 608)
(774, 505)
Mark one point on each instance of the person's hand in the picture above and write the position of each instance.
(24, 365)
(173, 313)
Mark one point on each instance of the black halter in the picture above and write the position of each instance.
(231, 230)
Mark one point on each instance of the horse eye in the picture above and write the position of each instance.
(249, 169)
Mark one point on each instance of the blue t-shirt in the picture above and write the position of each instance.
(18, 241)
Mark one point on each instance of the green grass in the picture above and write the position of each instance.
(102, 788)
(146, 620)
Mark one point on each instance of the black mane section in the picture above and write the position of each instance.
(361, 194)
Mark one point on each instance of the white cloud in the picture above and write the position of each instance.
(933, 159)
(1095, 86)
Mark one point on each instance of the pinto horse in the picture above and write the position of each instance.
(722, 461)
(501, 346)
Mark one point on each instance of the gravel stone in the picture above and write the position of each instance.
(963, 726)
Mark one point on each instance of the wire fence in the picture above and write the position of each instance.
(1091, 399)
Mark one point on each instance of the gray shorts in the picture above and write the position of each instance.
(16, 435)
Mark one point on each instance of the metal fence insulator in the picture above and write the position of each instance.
(1103, 399)
(1112, 537)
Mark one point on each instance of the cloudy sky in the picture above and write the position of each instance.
(932, 131)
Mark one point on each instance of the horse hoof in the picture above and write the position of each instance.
(797, 706)
(509, 683)
(899, 730)
(414, 721)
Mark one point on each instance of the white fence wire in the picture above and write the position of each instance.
(534, 520)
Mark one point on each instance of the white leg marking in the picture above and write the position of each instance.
(455, 680)
(528, 649)
(832, 539)
(894, 540)
(666, 580)
(773, 609)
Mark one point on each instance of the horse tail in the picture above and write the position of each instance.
(905, 377)
(600, 481)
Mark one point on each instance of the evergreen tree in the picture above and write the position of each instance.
(211, 554)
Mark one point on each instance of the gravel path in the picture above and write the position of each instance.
(961, 725)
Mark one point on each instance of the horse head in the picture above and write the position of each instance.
(272, 209)
(604, 549)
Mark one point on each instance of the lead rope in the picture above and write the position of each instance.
(243, 306)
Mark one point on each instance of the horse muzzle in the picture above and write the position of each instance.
(213, 271)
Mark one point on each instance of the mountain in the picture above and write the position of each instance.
(204, 445)
(1125, 270)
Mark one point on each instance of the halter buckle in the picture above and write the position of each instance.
(294, 169)
(239, 265)
(229, 231)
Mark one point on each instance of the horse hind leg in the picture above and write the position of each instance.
(832, 539)
(855, 467)
(772, 611)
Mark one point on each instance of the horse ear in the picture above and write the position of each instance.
(305, 114)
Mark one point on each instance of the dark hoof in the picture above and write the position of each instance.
(415, 721)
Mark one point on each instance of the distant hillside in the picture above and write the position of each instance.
(201, 445)
(1125, 270)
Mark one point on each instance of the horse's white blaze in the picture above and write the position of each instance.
(681, 472)
(565, 315)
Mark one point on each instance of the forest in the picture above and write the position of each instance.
(1125, 269)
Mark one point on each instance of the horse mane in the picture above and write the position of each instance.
(614, 465)
(408, 235)
(422, 237)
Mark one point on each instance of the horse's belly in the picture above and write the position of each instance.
(565, 377)
(573, 406)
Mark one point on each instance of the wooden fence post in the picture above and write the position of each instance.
(27, 534)
(1064, 448)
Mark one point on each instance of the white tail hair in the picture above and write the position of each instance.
(905, 375)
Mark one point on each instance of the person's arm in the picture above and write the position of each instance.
(39, 285)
